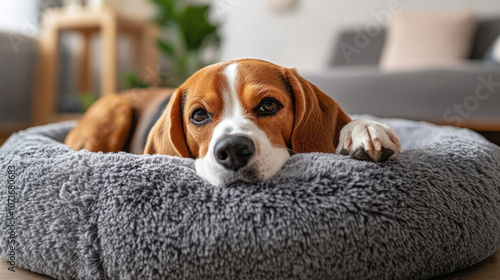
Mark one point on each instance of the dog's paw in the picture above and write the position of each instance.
(368, 140)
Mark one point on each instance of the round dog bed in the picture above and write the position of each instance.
(80, 215)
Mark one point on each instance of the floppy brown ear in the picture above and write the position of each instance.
(167, 135)
(318, 118)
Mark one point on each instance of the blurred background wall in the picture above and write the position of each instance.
(20, 16)
(300, 37)
(303, 36)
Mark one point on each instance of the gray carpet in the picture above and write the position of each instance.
(82, 215)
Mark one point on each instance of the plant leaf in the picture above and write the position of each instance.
(165, 11)
(132, 80)
(165, 47)
(194, 26)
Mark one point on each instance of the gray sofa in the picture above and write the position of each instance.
(433, 95)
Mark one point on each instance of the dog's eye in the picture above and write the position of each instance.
(268, 107)
(200, 117)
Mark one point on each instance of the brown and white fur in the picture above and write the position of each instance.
(240, 120)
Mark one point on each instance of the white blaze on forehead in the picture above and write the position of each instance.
(267, 159)
(231, 107)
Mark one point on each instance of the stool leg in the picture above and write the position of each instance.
(45, 99)
(135, 40)
(149, 62)
(109, 56)
(85, 79)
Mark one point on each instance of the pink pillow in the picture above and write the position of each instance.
(422, 40)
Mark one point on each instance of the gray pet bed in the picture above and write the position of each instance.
(80, 215)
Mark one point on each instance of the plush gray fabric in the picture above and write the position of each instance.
(82, 215)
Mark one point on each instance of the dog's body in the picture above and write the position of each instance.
(240, 120)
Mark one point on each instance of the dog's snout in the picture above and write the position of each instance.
(234, 152)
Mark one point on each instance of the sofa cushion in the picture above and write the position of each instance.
(493, 53)
(421, 40)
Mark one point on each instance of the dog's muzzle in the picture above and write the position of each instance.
(234, 152)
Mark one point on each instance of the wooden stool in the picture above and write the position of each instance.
(109, 24)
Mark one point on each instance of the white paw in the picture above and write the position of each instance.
(368, 140)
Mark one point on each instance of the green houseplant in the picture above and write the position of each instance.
(187, 34)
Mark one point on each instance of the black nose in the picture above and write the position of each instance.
(234, 152)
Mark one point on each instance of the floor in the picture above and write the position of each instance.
(486, 270)
(19, 274)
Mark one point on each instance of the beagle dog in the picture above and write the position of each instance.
(240, 120)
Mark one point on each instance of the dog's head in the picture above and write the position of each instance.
(243, 119)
